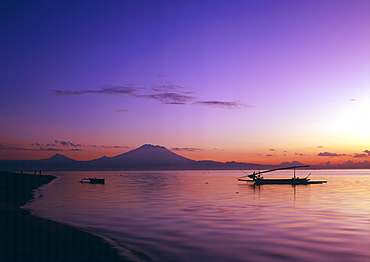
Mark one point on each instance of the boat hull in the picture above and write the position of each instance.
(93, 180)
(283, 181)
(97, 180)
(260, 180)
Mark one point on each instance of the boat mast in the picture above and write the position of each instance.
(280, 168)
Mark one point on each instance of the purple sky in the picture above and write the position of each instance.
(251, 81)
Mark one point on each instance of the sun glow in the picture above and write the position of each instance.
(354, 125)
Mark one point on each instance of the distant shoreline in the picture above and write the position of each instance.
(149, 157)
(25, 237)
(12, 170)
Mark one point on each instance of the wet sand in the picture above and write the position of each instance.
(24, 237)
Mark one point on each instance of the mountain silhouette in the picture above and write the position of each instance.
(145, 157)
(56, 162)
(58, 158)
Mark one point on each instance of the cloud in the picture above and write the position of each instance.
(175, 103)
(360, 155)
(114, 90)
(224, 105)
(169, 87)
(55, 147)
(15, 148)
(171, 98)
(64, 143)
(114, 146)
(189, 149)
(51, 149)
(122, 110)
(330, 154)
(169, 94)
(272, 149)
(365, 154)
(299, 154)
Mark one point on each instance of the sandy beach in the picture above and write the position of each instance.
(24, 237)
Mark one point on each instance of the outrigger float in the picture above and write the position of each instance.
(93, 180)
(258, 179)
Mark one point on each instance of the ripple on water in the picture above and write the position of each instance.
(198, 216)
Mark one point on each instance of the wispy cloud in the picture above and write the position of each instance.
(114, 90)
(366, 153)
(58, 145)
(330, 154)
(115, 146)
(171, 98)
(16, 148)
(50, 149)
(189, 149)
(58, 149)
(169, 94)
(299, 154)
(170, 87)
(65, 143)
(360, 155)
(363, 154)
(224, 105)
(76, 149)
(61, 145)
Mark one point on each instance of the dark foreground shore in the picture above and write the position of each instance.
(24, 237)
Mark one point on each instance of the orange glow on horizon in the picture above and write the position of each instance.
(265, 157)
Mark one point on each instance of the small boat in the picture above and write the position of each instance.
(258, 179)
(93, 180)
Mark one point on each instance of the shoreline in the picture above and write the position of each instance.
(26, 237)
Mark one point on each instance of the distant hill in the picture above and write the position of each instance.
(146, 157)
(56, 162)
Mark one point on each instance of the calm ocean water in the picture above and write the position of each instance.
(209, 216)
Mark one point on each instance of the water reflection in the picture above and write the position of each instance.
(209, 216)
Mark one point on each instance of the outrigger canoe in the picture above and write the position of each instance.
(93, 180)
(258, 179)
